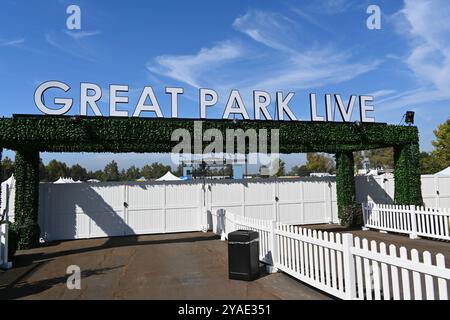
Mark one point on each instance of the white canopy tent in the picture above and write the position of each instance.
(169, 176)
(66, 180)
(445, 172)
(10, 181)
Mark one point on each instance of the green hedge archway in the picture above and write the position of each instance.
(29, 134)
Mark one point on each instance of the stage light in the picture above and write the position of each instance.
(409, 117)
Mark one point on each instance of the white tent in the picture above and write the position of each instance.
(169, 176)
(66, 180)
(445, 172)
(10, 181)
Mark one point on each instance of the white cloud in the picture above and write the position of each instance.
(82, 34)
(271, 29)
(382, 93)
(280, 64)
(425, 25)
(68, 46)
(11, 43)
(191, 69)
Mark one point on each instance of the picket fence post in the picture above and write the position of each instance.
(413, 234)
(349, 267)
(273, 247)
(365, 210)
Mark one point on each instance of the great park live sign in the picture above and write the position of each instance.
(90, 95)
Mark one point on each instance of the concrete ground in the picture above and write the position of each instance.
(399, 240)
(171, 266)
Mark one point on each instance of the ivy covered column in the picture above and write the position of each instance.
(26, 172)
(407, 175)
(348, 210)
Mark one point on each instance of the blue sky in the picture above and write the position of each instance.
(300, 46)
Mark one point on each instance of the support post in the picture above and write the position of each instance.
(407, 175)
(345, 189)
(273, 246)
(413, 234)
(26, 172)
(349, 267)
(365, 212)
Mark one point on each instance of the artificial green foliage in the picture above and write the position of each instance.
(101, 134)
(13, 240)
(345, 188)
(407, 175)
(30, 135)
(26, 172)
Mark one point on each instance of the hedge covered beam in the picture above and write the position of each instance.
(100, 134)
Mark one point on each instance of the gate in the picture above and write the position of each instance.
(83, 210)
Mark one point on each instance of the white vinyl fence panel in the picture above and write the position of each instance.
(380, 189)
(346, 267)
(411, 220)
(74, 211)
(291, 201)
(83, 210)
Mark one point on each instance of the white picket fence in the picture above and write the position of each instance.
(343, 266)
(412, 220)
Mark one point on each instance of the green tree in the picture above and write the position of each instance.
(111, 171)
(317, 162)
(383, 157)
(56, 169)
(441, 145)
(7, 167)
(132, 173)
(428, 163)
(98, 175)
(301, 171)
(77, 172)
(43, 174)
(154, 170)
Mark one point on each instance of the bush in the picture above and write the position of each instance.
(351, 215)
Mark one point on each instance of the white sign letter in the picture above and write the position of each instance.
(141, 106)
(39, 95)
(114, 99)
(86, 99)
(261, 106)
(313, 108)
(207, 103)
(174, 94)
(235, 97)
(364, 107)
(282, 106)
(345, 113)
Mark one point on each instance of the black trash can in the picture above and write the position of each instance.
(243, 255)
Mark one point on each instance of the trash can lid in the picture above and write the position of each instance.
(243, 236)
